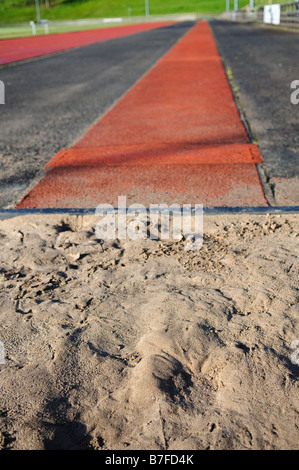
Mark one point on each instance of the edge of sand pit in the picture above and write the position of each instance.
(10, 213)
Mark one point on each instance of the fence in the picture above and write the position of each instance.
(284, 14)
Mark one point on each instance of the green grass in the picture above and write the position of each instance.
(18, 11)
(23, 11)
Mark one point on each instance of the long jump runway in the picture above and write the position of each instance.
(175, 137)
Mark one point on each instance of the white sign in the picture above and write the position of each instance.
(112, 20)
(272, 14)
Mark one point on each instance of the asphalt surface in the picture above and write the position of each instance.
(52, 101)
(264, 62)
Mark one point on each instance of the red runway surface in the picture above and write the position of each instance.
(16, 49)
(176, 136)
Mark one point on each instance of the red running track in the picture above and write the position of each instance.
(16, 49)
(175, 137)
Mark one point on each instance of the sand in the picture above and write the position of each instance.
(140, 344)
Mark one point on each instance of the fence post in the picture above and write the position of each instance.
(33, 28)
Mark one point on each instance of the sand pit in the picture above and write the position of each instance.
(141, 345)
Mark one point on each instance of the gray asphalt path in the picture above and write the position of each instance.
(52, 101)
(264, 62)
